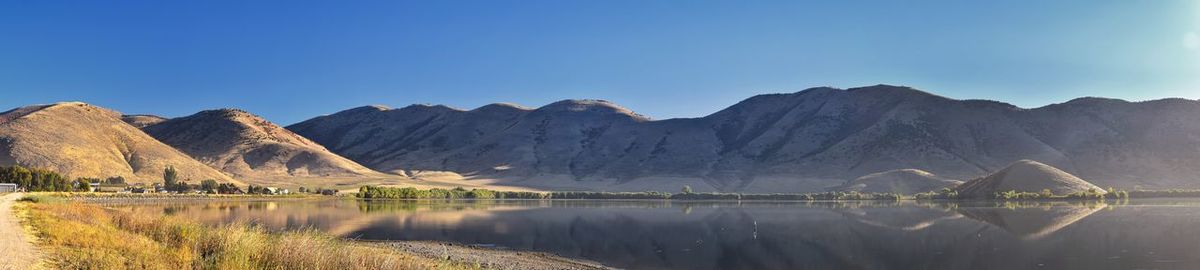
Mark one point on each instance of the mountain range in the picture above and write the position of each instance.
(247, 146)
(804, 141)
(82, 140)
(812, 140)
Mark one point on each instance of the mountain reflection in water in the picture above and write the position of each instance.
(762, 235)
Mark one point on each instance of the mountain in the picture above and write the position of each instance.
(248, 146)
(1025, 176)
(906, 181)
(806, 141)
(82, 140)
(142, 120)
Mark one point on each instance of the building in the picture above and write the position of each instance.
(105, 187)
(8, 187)
(277, 191)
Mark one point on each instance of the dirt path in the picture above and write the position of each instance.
(19, 252)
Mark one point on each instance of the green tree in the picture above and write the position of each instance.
(208, 185)
(82, 184)
(115, 180)
(171, 179)
(183, 187)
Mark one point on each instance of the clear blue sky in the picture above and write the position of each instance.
(292, 60)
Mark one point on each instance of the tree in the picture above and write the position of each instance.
(227, 188)
(183, 187)
(170, 179)
(208, 185)
(33, 179)
(82, 184)
(687, 189)
(115, 180)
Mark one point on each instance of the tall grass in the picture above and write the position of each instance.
(82, 236)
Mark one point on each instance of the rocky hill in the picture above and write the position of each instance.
(82, 140)
(1025, 176)
(906, 181)
(800, 142)
(247, 146)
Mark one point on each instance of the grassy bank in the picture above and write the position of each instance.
(76, 235)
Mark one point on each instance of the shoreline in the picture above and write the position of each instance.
(466, 256)
(125, 198)
(489, 257)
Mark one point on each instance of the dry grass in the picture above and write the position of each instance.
(83, 236)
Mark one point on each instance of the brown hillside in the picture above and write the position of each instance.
(1026, 176)
(248, 146)
(82, 140)
(142, 120)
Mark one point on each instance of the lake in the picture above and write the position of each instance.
(1141, 234)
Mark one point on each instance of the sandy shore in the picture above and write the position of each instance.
(492, 258)
(19, 252)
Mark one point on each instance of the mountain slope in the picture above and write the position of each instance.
(806, 141)
(247, 146)
(907, 181)
(142, 120)
(82, 140)
(1025, 176)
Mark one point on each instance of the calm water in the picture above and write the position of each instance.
(1151, 234)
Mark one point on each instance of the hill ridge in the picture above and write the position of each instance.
(82, 140)
(246, 145)
(805, 141)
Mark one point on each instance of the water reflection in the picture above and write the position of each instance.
(763, 235)
(1033, 221)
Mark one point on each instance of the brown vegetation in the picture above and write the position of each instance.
(83, 236)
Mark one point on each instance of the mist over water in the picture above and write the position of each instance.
(1158, 234)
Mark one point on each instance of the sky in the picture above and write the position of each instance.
(292, 60)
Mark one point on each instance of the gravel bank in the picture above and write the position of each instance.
(493, 258)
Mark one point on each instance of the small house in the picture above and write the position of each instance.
(137, 189)
(8, 187)
(105, 187)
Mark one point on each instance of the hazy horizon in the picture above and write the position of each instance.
(671, 59)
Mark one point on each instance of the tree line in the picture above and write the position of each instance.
(375, 192)
(34, 179)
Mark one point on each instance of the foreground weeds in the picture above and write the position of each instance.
(83, 236)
